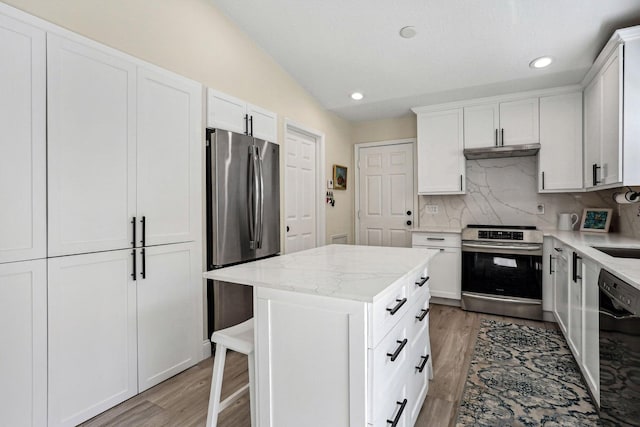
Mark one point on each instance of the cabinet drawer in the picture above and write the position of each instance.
(418, 285)
(418, 373)
(387, 312)
(418, 320)
(389, 359)
(394, 404)
(446, 240)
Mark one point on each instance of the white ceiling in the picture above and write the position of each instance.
(463, 49)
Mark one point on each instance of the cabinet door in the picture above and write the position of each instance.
(481, 123)
(23, 332)
(444, 273)
(226, 112)
(591, 331)
(22, 142)
(169, 311)
(561, 290)
(611, 171)
(91, 148)
(169, 157)
(560, 161)
(575, 314)
(592, 130)
(263, 123)
(92, 335)
(441, 165)
(519, 122)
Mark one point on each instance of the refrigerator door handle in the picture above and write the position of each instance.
(260, 222)
(254, 197)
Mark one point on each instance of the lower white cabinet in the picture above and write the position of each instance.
(445, 275)
(561, 286)
(366, 378)
(590, 327)
(23, 333)
(575, 309)
(117, 328)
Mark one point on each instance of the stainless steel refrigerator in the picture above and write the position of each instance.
(243, 216)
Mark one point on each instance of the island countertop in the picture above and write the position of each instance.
(360, 273)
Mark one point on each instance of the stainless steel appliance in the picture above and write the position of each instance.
(243, 216)
(619, 324)
(502, 270)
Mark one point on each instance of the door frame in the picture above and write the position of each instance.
(291, 126)
(356, 156)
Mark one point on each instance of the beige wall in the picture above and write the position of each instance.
(192, 38)
(385, 130)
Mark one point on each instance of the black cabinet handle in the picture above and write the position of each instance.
(143, 221)
(251, 124)
(543, 180)
(143, 273)
(396, 420)
(133, 257)
(574, 273)
(557, 249)
(551, 264)
(246, 124)
(400, 303)
(496, 137)
(502, 137)
(423, 314)
(422, 281)
(460, 182)
(287, 228)
(409, 222)
(436, 238)
(396, 353)
(423, 364)
(594, 171)
(133, 239)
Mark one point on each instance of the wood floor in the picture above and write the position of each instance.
(183, 399)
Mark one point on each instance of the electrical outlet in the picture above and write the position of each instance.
(431, 209)
(540, 209)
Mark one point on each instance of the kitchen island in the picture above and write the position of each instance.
(341, 333)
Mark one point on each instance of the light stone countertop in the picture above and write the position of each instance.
(436, 229)
(359, 273)
(627, 269)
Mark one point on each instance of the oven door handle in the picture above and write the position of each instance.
(510, 247)
(613, 316)
(488, 298)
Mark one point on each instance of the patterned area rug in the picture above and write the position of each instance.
(524, 376)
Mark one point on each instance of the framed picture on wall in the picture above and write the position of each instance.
(339, 177)
(596, 219)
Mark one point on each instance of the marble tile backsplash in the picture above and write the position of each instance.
(504, 191)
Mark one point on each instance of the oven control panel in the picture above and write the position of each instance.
(500, 235)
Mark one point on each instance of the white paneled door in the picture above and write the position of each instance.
(91, 148)
(22, 142)
(168, 160)
(386, 195)
(300, 197)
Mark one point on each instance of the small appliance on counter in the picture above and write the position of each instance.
(243, 217)
(502, 270)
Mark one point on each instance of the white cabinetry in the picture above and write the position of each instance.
(92, 335)
(376, 357)
(501, 123)
(23, 332)
(560, 161)
(22, 141)
(445, 274)
(561, 285)
(441, 164)
(591, 332)
(230, 113)
(575, 327)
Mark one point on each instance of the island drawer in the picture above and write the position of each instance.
(387, 312)
(393, 404)
(418, 284)
(419, 319)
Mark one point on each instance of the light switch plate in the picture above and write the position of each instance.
(330, 184)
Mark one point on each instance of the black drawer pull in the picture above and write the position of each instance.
(396, 420)
(133, 239)
(440, 239)
(396, 353)
(400, 303)
(557, 249)
(143, 221)
(422, 281)
(143, 273)
(133, 257)
(423, 364)
(423, 314)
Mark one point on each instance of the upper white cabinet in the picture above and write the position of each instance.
(560, 161)
(230, 113)
(23, 333)
(22, 142)
(441, 164)
(124, 142)
(169, 142)
(501, 123)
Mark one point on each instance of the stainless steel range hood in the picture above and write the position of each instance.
(501, 152)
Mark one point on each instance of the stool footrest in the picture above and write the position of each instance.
(233, 397)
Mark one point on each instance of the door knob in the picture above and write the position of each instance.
(287, 228)
(408, 212)
(409, 222)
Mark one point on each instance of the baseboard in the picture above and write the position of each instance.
(548, 316)
(445, 301)
(206, 349)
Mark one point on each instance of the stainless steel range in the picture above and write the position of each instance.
(502, 270)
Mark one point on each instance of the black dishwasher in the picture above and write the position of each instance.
(619, 351)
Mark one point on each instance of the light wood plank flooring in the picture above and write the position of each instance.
(183, 399)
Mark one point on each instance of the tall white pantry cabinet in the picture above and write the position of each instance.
(100, 226)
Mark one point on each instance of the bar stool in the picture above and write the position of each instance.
(237, 338)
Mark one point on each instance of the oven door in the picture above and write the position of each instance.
(507, 270)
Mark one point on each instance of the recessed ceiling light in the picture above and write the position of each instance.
(408, 32)
(542, 62)
(357, 96)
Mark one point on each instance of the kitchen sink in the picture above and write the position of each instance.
(619, 252)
